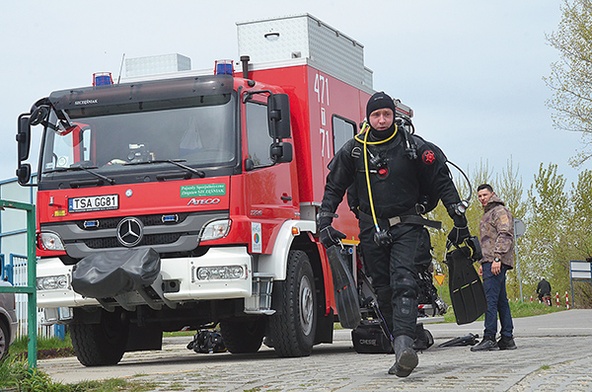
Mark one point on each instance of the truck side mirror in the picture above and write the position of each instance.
(23, 137)
(23, 173)
(278, 116)
(281, 152)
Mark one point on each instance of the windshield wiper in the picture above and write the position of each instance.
(175, 162)
(82, 168)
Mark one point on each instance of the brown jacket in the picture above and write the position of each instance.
(497, 232)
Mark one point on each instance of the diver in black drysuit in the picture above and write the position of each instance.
(403, 171)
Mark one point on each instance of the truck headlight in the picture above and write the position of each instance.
(48, 240)
(221, 272)
(216, 229)
(54, 282)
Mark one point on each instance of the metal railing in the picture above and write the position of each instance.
(30, 288)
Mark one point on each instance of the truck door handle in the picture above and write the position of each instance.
(286, 197)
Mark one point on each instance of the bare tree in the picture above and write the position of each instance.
(571, 76)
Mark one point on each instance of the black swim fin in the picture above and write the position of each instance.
(466, 288)
(467, 340)
(346, 293)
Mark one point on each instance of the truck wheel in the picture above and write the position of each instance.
(243, 336)
(292, 328)
(101, 344)
(4, 340)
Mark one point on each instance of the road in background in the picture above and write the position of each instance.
(554, 353)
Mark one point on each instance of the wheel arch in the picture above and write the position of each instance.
(274, 264)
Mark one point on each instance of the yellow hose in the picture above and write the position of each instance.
(365, 129)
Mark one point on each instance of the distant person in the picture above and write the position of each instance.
(543, 289)
(497, 245)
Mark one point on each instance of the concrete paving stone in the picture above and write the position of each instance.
(554, 354)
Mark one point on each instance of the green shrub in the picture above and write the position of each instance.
(518, 309)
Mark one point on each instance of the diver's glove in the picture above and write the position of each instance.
(460, 231)
(328, 235)
(475, 246)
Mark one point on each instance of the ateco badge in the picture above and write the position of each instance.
(130, 232)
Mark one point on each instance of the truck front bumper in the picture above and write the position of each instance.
(222, 273)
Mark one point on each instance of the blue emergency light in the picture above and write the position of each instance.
(102, 79)
(223, 67)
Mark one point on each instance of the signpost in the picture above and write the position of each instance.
(579, 270)
(519, 230)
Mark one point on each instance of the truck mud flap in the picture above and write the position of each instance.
(346, 293)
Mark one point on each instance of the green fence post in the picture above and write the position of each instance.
(31, 288)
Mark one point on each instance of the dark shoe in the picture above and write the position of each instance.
(406, 357)
(506, 343)
(487, 344)
(424, 339)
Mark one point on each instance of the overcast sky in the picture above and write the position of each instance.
(472, 70)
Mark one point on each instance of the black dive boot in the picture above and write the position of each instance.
(406, 357)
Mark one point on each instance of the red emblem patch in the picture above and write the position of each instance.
(428, 157)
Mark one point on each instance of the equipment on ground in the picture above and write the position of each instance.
(207, 341)
(467, 340)
(372, 335)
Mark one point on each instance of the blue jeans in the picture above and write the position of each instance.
(497, 302)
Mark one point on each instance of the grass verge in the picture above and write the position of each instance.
(15, 376)
(518, 309)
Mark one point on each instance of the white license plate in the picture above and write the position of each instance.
(93, 203)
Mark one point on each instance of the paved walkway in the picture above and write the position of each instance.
(554, 354)
(341, 369)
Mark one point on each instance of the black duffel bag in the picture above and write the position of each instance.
(369, 338)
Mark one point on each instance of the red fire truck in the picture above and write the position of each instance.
(210, 183)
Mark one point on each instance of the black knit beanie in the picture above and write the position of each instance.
(379, 100)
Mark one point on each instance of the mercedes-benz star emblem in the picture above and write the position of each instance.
(130, 232)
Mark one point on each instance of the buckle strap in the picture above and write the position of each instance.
(414, 220)
(405, 219)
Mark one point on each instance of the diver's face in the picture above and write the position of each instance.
(382, 119)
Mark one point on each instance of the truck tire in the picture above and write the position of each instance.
(242, 336)
(4, 339)
(101, 344)
(292, 327)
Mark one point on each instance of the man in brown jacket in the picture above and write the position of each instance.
(497, 243)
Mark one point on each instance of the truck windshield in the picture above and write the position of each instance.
(198, 136)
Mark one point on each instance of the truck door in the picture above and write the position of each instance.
(270, 187)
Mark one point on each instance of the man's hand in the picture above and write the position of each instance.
(458, 235)
(329, 236)
(496, 268)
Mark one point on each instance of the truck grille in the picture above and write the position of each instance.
(147, 220)
(150, 240)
